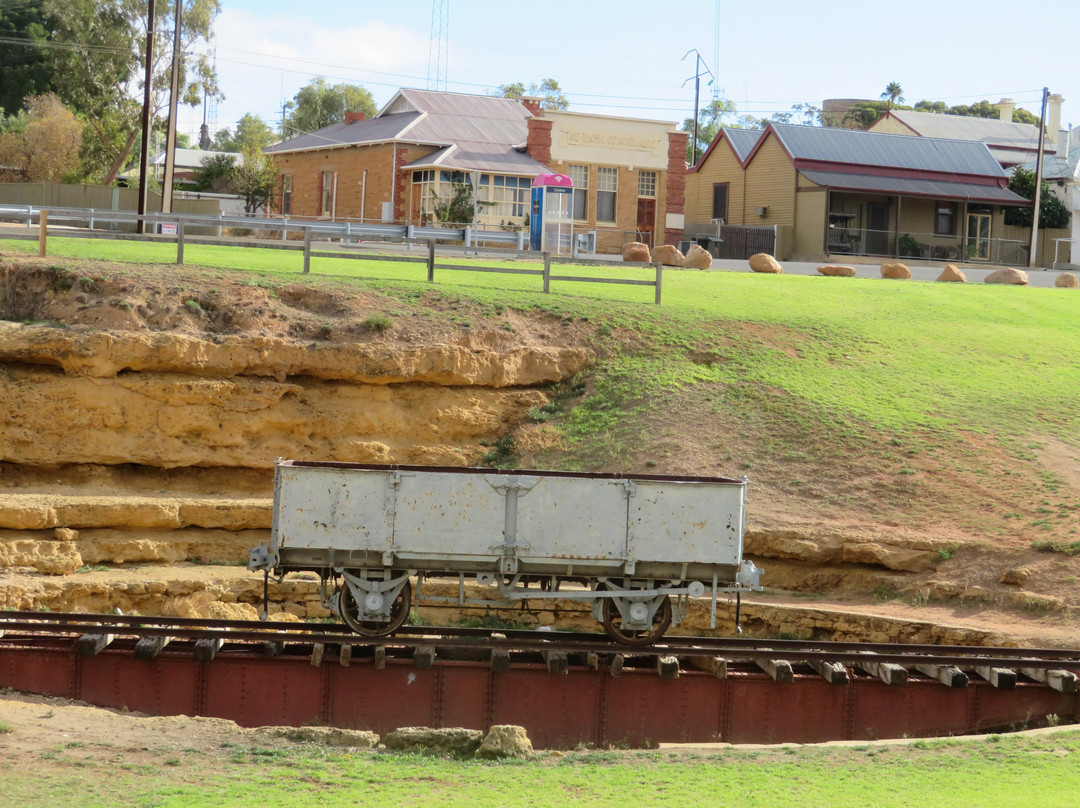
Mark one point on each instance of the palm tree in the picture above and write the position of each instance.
(894, 93)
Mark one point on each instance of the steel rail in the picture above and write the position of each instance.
(241, 631)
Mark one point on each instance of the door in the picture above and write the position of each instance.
(978, 236)
(646, 219)
(877, 229)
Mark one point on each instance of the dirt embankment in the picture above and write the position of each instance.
(144, 410)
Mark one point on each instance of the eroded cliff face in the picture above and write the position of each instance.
(140, 417)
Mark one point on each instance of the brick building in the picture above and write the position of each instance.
(397, 166)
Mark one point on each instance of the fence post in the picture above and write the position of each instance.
(467, 238)
(43, 232)
(29, 217)
(431, 260)
(409, 232)
(307, 250)
(659, 280)
(285, 228)
(547, 272)
(521, 240)
(180, 242)
(91, 218)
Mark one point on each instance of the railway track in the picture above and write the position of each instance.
(565, 688)
(836, 662)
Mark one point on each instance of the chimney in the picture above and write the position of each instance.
(1053, 120)
(532, 104)
(353, 117)
(1005, 109)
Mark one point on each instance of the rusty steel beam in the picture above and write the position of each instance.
(584, 705)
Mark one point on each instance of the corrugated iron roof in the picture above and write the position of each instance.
(915, 187)
(961, 127)
(742, 140)
(856, 147)
(372, 130)
(471, 156)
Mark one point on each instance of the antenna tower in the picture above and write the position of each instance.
(716, 50)
(438, 47)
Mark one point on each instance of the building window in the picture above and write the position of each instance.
(509, 195)
(946, 218)
(719, 200)
(425, 192)
(286, 194)
(326, 198)
(646, 184)
(580, 176)
(607, 186)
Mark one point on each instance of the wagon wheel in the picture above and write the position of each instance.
(350, 613)
(613, 624)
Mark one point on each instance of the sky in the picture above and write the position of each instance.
(626, 57)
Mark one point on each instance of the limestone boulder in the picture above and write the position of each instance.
(697, 257)
(456, 741)
(1066, 280)
(837, 271)
(1017, 576)
(895, 272)
(763, 262)
(952, 274)
(325, 736)
(668, 256)
(636, 251)
(505, 741)
(893, 558)
(1016, 277)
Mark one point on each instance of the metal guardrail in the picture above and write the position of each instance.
(346, 230)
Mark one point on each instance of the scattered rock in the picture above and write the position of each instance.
(1015, 577)
(1066, 280)
(837, 271)
(952, 274)
(763, 262)
(449, 741)
(636, 251)
(505, 741)
(895, 272)
(668, 256)
(697, 257)
(1016, 277)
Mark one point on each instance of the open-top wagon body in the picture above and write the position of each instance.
(629, 542)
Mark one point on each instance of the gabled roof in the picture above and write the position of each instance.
(740, 141)
(472, 132)
(853, 147)
(991, 131)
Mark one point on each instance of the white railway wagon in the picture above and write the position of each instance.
(626, 544)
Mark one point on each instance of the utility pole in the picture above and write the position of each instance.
(1038, 181)
(697, 94)
(170, 132)
(144, 153)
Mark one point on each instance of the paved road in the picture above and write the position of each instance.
(929, 272)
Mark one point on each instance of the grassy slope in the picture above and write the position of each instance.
(892, 403)
(997, 771)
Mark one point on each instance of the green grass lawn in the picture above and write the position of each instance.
(996, 772)
(794, 357)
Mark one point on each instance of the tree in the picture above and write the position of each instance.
(254, 178)
(250, 130)
(27, 69)
(710, 120)
(894, 94)
(1052, 211)
(548, 91)
(216, 174)
(46, 147)
(99, 70)
(980, 109)
(319, 104)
